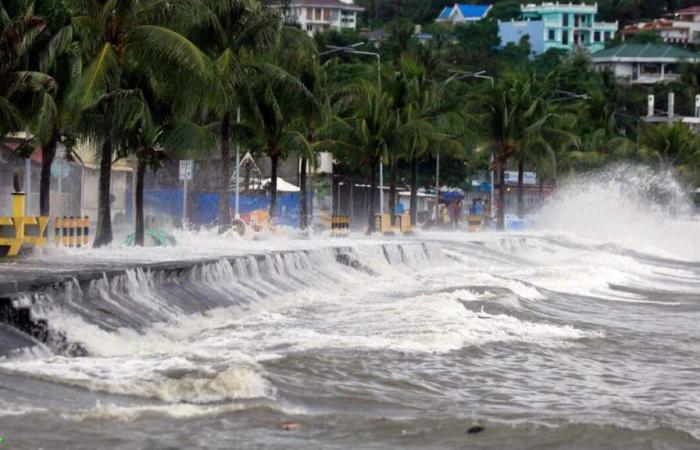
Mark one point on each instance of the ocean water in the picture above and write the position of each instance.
(583, 333)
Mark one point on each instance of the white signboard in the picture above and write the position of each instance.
(529, 178)
(186, 168)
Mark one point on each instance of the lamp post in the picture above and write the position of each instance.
(351, 49)
(461, 75)
(237, 216)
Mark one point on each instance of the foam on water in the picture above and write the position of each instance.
(539, 327)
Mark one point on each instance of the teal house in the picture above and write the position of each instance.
(558, 25)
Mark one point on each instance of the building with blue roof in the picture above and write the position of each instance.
(460, 13)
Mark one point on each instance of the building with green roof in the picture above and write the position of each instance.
(644, 63)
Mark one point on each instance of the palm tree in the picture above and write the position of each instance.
(513, 112)
(113, 36)
(236, 31)
(57, 55)
(275, 98)
(19, 27)
(364, 131)
(670, 146)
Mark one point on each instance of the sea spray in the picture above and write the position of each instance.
(633, 206)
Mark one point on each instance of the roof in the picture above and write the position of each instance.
(445, 13)
(467, 11)
(473, 10)
(645, 51)
(691, 10)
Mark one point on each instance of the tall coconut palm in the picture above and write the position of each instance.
(364, 131)
(57, 54)
(275, 98)
(237, 31)
(513, 112)
(115, 34)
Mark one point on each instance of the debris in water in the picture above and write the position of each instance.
(291, 426)
(475, 429)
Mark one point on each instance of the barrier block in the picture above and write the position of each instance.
(475, 222)
(18, 230)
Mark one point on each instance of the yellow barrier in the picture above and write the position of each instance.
(382, 223)
(475, 222)
(340, 226)
(18, 230)
(71, 231)
(403, 223)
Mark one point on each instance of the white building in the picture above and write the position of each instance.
(681, 27)
(316, 16)
(644, 64)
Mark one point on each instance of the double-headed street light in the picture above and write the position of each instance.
(352, 49)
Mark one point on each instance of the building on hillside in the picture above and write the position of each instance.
(691, 14)
(671, 32)
(681, 27)
(316, 16)
(644, 63)
(460, 13)
(562, 26)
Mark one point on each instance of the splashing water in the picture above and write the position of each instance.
(632, 206)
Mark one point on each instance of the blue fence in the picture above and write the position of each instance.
(204, 207)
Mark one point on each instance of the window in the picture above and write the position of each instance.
(596, 36)
(606, 36)
(309, 27)
(565, 20)
(309, 14)
(552, 35)
(565, 37)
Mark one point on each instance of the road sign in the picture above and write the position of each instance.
(511, 177)
(186, 168)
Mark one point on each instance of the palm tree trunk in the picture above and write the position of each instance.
(224, 212)
(414, 191)
(303, 201)
(501, 195)
(140, 230)
(274, 162)
(521, 187)
(103, 234)
(392, 187)
(541, 190)
(372, 194)
(48, 153)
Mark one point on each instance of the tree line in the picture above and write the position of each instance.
(153, 80)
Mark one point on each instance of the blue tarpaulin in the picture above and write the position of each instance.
(205, 205)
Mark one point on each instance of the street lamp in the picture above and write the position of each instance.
(351, 49)
(461, 75)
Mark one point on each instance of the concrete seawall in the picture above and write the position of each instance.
(27, 289)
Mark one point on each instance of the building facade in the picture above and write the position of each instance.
(681, 27)
(562, 26)
(644, 64)
(315, 16)
(460, 13)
